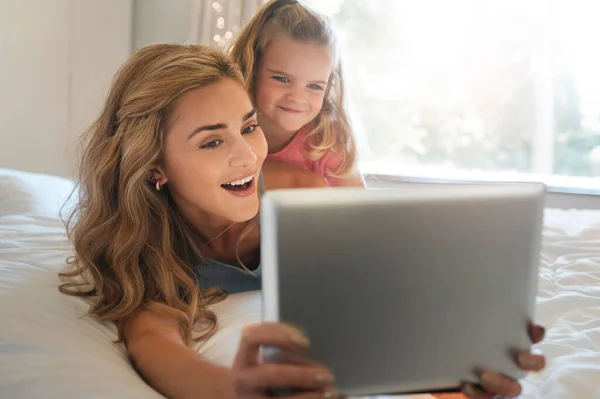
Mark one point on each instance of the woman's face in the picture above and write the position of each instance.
(214, 151)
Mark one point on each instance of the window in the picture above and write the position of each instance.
(452, 88)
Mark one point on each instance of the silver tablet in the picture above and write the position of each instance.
(404, 290)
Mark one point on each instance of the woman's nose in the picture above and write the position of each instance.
(243, 155)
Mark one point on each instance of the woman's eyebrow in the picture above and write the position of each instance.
(249, 115)
(216, 126)
(219, 126)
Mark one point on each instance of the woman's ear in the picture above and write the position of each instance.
(157, 177)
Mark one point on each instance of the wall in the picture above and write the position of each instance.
(160, 21)
(33, 84)
(57, 58)
(99, 43)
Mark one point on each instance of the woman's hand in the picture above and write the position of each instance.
(254, 379)
(496, 384)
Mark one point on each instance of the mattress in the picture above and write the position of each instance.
(49, 348)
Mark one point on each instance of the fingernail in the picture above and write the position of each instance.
(527, 361)
(324, 378)
(330, 394)
(490, 380)
(537, 333)
(300, 340)
(468, 390)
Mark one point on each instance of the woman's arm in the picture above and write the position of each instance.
(160, 356)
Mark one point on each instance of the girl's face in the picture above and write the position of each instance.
(291, 80)
(214, 150)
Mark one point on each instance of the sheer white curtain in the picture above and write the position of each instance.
(216, 22)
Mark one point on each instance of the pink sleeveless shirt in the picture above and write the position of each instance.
(295, 153)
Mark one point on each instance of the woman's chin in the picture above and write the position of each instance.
(247, 214)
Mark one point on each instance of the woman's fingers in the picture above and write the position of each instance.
(528, 361)
(536, 332)
(254, 379)
(471, 391)
(300, 395)
(283, 376)
(292, 357)
(315, 395)
(268, 334)
(493, 384)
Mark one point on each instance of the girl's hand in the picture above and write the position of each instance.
(493, 384)
(253, 379)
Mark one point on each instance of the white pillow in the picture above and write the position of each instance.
(49, 350)
(33, 193)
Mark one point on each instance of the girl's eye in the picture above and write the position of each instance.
(211, 144)
(250, 129)
(315, 86)
(282, 79)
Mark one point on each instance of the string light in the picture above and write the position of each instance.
(217, 7)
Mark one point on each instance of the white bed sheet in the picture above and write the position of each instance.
(569, 306)
(48, 350)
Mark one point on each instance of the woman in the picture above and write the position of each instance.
(166, 222)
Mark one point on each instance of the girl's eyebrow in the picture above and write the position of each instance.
(278, 72)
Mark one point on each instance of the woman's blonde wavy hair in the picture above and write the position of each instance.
(132, 249)
(333, 130)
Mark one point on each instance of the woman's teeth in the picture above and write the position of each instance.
(239, 184)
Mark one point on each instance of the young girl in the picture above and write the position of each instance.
(290, 60)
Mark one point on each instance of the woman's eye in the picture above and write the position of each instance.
(281, 79)
(211, 144)
(315, 86)
(250, 129)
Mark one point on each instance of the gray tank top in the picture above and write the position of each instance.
(229, 278)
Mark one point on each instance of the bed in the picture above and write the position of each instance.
(50, 349)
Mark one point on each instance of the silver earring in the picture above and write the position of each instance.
(158, 185)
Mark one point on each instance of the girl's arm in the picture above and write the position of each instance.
(280, 175)
(330, 162)
(175, 370)
(354, 180)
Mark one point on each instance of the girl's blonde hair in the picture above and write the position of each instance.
(333, 130)
(132, 249)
